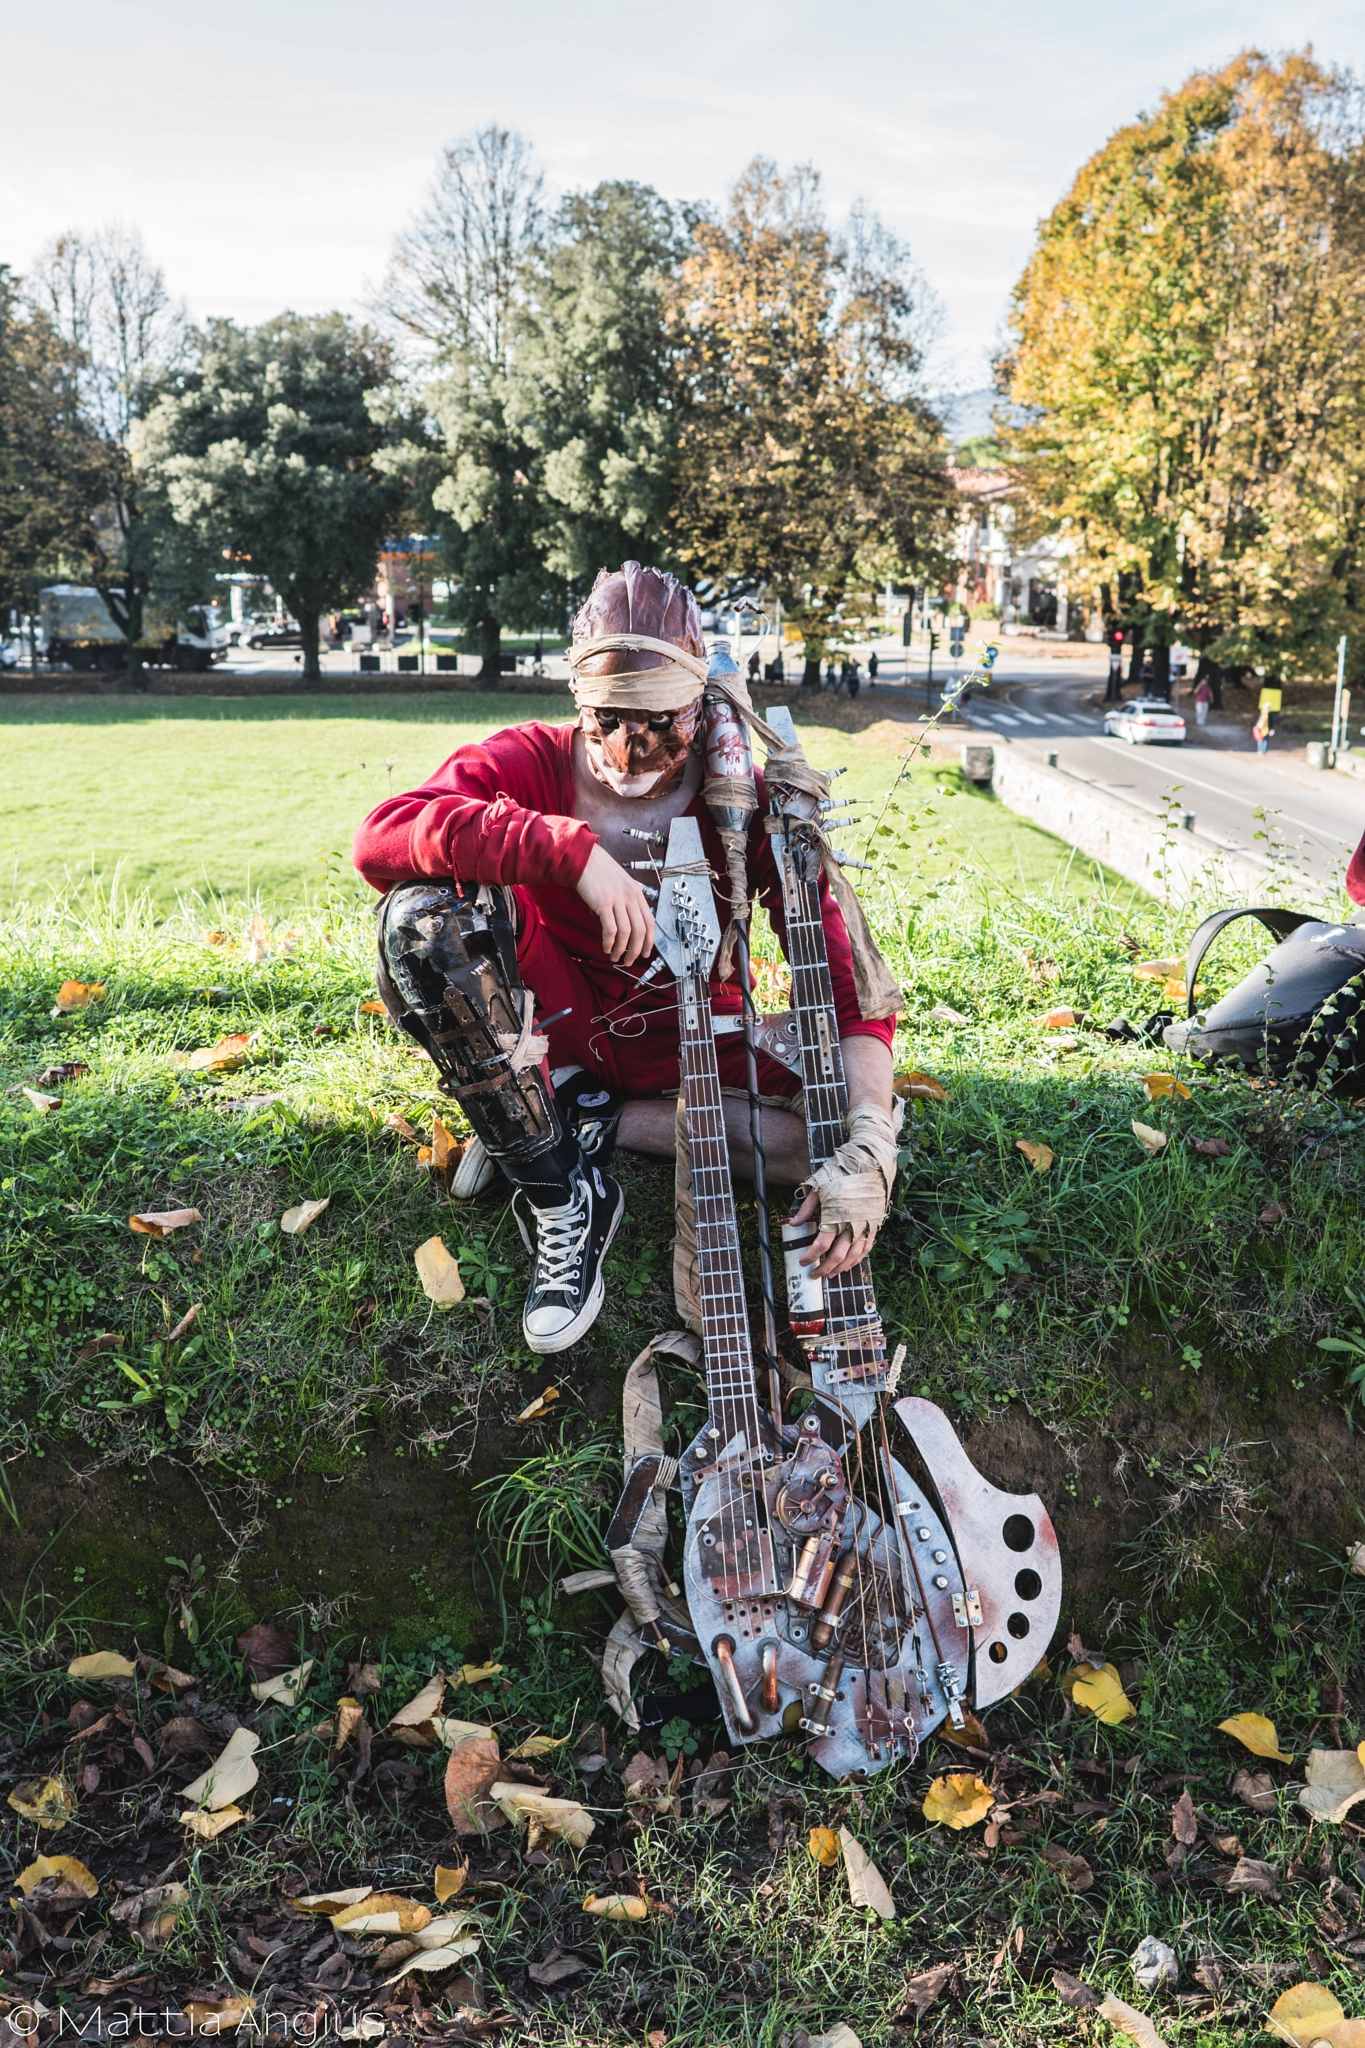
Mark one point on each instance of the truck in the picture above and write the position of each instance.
(76, 630)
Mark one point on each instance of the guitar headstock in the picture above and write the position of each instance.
(686, 928)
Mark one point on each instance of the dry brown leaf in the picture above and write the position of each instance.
(394, 1122)
(438, 1272)
(186, 1323)
(958, 1800)
(1151, 1141)
(44, 1104)
(1336, 1780)
(1257, 1734)
(349, 1716)
(922, 1990)
(231, 1775)
(285, 1690)
(1073, 1870)
(445, 1148)
(219, 2015)
(1062, 1020)
(1039, 1157)
(422, 1708)
(617, 1906)
(332, 1902)
(1074, 1992)
(69, 1869)
(866, 1885)
(1164, 1087)
(823, 1845)
(1250, 1874)
(1128, 2020)
(565, 1819)
(1184, 1826)
(448, 1879)
(971, 1735)
(208, 1826)
(78, 995)
(373, 1009)
(915, 1087)
(296, 1220)
(1256, 1789)
(266, 1650)
(217, 937)
(222, 1058)
(106, 1341)
(471, 1773)
(44, 1800)
(429, 1961)
(556, 1968)
(161, 1222)
(1158, 970)
(1213, 1148)
(383, 1913)
(102, 1664)
(62, 1070)
(538, 1409)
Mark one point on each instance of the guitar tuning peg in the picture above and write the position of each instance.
(634, 832)
(846, 861)
(651, 866)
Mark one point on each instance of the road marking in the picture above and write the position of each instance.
(1006, 718)
(1251, 804)
(1028, 717)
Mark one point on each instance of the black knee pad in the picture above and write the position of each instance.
(449, 977)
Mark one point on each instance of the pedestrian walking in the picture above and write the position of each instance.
(854, 679)
(1203, 697)
(753, 666)
(1268, 706)
(872, 668)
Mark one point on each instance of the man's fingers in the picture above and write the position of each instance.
(807, 1209)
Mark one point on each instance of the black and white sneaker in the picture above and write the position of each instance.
(570, 1244)
(590, 1109)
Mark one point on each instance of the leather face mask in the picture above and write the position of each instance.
(639, 753)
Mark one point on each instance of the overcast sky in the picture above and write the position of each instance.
(268, 151)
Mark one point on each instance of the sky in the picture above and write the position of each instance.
(269, 152)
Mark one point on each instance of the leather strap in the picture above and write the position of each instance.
(1283, 923)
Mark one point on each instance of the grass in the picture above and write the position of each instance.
(1136, 1334)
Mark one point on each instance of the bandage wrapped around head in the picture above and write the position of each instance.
(854, 1183)
(637, 643)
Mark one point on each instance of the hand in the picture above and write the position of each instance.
(833, 1250)
(621, 904)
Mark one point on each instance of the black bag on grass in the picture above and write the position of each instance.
(1297, 1015)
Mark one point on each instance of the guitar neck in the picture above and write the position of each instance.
(730, 1389)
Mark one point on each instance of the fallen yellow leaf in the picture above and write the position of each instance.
(919, 1087)
(438, 1272)
(1174, 991)
(161, 1222)
(1306, 2013)
(423, 1705)
(350, 1714)
(565, 1819)
(1158, 970)
(372, 1010)
(539, 1745)
(68, 1868)
(1257, 1734)
(295, 1221)
(1060, 1020)
(538, 1409)
(44, 1800)
(44, 1104)
(219, 2015)
(332, 1902)
(479, 1674)
(448, 1880)
(229, 1776)
(959, 1799)
(1039, 1157)
(286, 1690)
(383, 1913)
(866, 1885)
(617, 1906)
(971, 1735)
(1160, 1087)
(76, 995)
(208, 1826)
(1099, 1693)
(429, 1961)
(222, 1058)
(823, 1844)
(445, 1148)
(1151, 1141)
(258, 939)
(101, 1664)
(1335, 1782)
(217, 938)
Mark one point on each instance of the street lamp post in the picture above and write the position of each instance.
(1336, 706)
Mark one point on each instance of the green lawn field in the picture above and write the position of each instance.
(237, 797)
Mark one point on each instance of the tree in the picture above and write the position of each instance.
(1189, 335)
(108, 301)
(808, 466)
(267, 452)
(52, 465)
(592, 380)
(456, 287)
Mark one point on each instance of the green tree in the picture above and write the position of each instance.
(53, 467)
(593, 381)
(268, 452)
(1189, 338)
(457, 288)
(108, 301)
(808, 466)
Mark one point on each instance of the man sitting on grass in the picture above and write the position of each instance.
(513, 935)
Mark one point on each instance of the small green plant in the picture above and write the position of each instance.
(678, 1738)
(553, 1508)
(157, 1382)
(481, 1272)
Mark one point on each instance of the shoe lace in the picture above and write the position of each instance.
(561, 1235)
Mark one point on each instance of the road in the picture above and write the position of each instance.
(1273, 806)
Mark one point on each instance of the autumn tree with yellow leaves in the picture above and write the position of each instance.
(808, 466)
(1188, 341)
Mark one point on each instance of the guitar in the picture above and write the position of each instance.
(993, 1594)
(821, 1607)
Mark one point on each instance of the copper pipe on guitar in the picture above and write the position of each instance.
(770, 1693)
(831, 1614)
(723, 1650)
(824, 1689)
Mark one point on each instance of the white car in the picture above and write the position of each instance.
(1147, 721)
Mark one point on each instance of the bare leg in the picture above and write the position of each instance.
(648, 1127)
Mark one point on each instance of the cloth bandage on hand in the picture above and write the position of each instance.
(854, 1183)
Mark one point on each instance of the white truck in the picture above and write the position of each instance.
(75, 630)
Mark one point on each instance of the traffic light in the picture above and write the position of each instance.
(933, 643)
(957, 633)
(1114, 637)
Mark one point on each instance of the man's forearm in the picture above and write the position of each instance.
(867, 1069)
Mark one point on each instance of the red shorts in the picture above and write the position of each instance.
(615, 1028)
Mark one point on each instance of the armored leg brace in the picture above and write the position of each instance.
(449, 977)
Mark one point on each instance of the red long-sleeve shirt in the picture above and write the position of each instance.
(501, 810)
